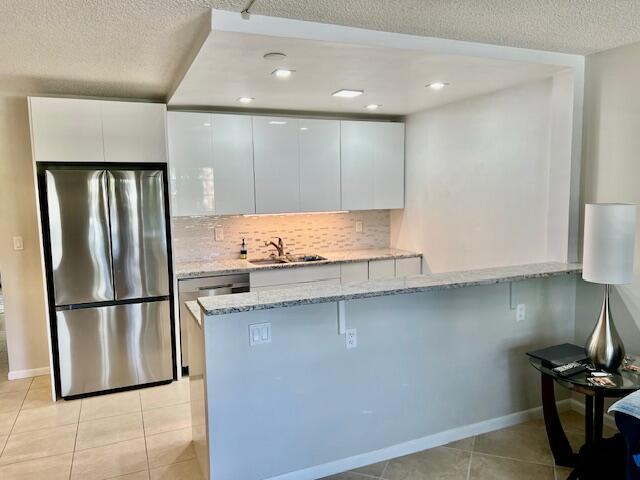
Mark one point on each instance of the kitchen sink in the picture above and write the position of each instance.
(288, 259)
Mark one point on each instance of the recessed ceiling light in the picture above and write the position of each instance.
(346, 93)
(277, 122)
(274, 56)
(304, 128)
(437, 85)
(282, 72)
(246, 99)
(207, 124)
(373, 106)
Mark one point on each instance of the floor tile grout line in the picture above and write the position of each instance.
(144, 433)
(91, 448)
(469, 466)
(75, 441)
(126, 475)
(384, 470)
(15, 420)
(552, 465)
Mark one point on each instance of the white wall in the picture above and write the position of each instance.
(478, 176)
(21, 270)
(611, 173)
(425, 363)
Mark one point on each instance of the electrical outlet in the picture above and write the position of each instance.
(18, 243)
(521, 312)
(259, 333)
(218, 234)
(351, 338)
(359, 226)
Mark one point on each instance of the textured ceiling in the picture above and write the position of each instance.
(136, 48)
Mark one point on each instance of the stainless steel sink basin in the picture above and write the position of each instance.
(267, 261)
(288, 259)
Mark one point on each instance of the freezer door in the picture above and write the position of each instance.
(115, 346)
(138, 233)
(79, 236)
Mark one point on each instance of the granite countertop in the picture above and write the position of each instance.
(304, 294)
(194, 309)
(206, 268)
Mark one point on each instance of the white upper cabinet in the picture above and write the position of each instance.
(134, 132)
(276, 165)
(211, 164)
(372, 165)
(66, 130)
(233, 164)
(191, 163)
(78, 130)
(319, 165)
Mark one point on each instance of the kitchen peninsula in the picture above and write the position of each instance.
(388, 367)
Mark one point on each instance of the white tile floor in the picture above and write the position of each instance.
(146, 434)
(142, 434)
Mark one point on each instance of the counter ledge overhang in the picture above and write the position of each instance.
(305, 295)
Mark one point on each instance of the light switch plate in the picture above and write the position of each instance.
(359, 226)
(18, 243)
(218, 234)
(259, 333)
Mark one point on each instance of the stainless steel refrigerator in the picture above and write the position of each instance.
(108, 269)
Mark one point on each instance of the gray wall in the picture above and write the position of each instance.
(425, 363)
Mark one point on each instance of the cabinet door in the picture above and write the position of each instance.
(275, 150)
(354, 272)
(388, 169)
(406, 267)
(356, 165)
(233, 164)
(191, 163)
(66, 130)
(319, 165)
(379, 269)
(372, 165)
(134, 132)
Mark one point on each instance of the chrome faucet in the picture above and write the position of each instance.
(278, 246)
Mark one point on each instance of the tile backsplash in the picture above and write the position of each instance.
(193, 237)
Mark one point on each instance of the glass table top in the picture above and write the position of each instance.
(625, 381)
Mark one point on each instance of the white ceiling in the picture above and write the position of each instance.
(231, 65)
(135, 48)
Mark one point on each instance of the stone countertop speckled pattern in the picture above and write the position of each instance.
(206, 268)
(304, 294)
(194, 309)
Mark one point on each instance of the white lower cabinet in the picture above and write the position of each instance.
(406, 267)
(354, 272)
(311, 275)
(287, 276)
(381, 269)
(332, 281)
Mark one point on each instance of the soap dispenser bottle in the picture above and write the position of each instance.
(243, 250)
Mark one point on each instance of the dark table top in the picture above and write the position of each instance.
(626, 381)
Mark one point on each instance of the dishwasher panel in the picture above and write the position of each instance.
(194, 288)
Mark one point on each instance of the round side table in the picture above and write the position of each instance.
(626, 382)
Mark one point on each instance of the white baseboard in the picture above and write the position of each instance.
(579, 407)
(34, 372)
(419, 444)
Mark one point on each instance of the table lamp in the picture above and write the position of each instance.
(609, 240)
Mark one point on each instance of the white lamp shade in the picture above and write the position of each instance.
(609, 240)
